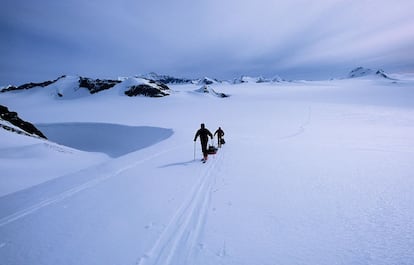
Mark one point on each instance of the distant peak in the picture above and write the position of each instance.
(208, 81)
(258, 79)
(363, 72)
(166, 79)
(205, 89)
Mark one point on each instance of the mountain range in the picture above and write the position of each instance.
(155, 85)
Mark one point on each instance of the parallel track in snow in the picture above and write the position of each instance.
(180, 240)
(10, 218)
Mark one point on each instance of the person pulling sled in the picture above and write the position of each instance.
(204, 133)
(220, 134)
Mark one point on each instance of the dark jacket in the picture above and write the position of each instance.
(204, 134)
(219, 132)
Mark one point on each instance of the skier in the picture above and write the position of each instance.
(220, 134)
(204, 134)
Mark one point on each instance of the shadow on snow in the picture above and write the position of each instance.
(112, 139)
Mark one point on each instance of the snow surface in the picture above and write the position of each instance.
(112, 139)
(312, 173)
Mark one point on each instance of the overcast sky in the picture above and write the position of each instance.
(43, 39)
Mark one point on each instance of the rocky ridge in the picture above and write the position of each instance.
(24, 127)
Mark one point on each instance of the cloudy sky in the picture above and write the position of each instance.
(43, 39)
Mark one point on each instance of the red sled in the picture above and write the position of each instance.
(212, 150)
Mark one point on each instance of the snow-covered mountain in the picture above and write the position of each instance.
(167, 79)
(208, 81)
(208, 90)
(152, 85)
(30, 85)
(66, 86)
(259, 79)
(367, 72)
(69, 87)
(248, 79)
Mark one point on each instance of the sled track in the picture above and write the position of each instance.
(71, 192)
(180, 240)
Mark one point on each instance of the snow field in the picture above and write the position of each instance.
(312, 173)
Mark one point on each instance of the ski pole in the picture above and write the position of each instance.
(194, 149)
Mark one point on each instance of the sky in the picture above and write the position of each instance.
(223, 39)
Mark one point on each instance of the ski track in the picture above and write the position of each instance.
(71, 192)
(301, 128)
(180, 241)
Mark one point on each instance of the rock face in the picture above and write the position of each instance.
(96, 85)
(14, 119)
(152, 89)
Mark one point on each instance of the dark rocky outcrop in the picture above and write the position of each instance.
(381, 73)
(14, 119)
(30, 85)
(153, 89)
(359, 71)
(97, 85)
(159, 85)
